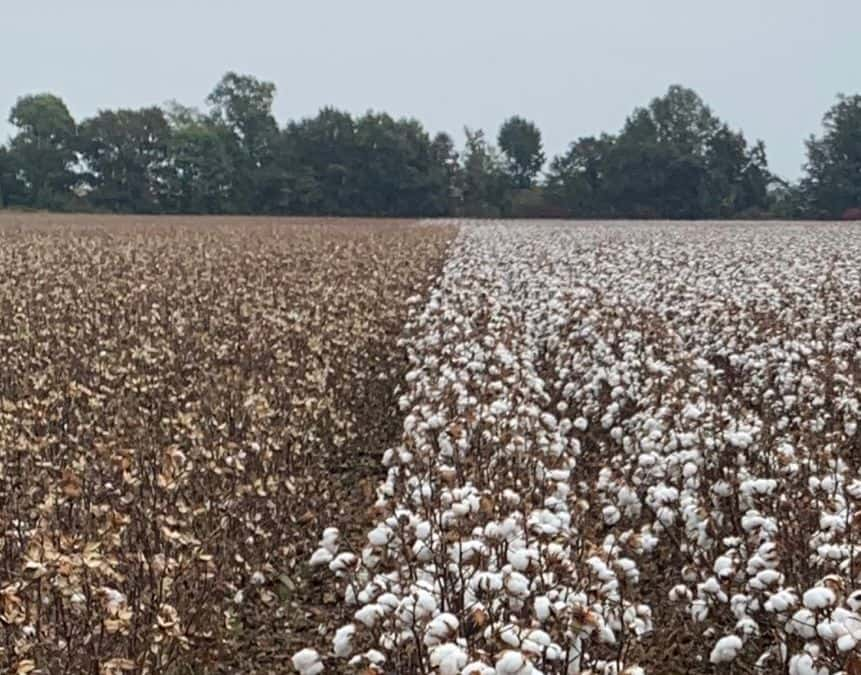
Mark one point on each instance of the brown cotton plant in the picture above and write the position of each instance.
(184, 405)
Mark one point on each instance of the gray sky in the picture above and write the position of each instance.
(769, 67)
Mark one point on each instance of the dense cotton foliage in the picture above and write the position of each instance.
(627, 448)
(184, 406)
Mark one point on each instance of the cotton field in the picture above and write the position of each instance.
(627, 448)
(184, 406)
(436, 448)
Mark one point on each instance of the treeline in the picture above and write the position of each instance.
(673, 158)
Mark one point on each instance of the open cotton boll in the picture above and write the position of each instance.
(448, 658)
(846, 642)
(726, 649)
(307, 662)
(369, 615)
(542, 608)
(519, 559)
(380, 536)
(342, 642)
(802, 664)
(343, 562)
(819, 598)
(517, 585)
(802, 623)
(477, 668)
(321, 556)
(440, 629)
(513, 663)
(329, 540)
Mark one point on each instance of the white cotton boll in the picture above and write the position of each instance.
(739, 439)
(307, 662)
(802, 664)
(422, 552)
(549, 421)
(448, 659)
(560, 475)
(489, 582)
(581, 423)
(780, 601)
(846, 642)
(375, 657)
(369, 615)
(343, 562)
(369, 558)
(710, 586)
(477, 668)
(542, 608)
(519, 559)
(819, 598)
(257, 579)
(342, 642)
(425, 604)
(802, 624)
(510, 635)
(517, 585)
(440, 629)
(498, 408)
(723, 567)
(329, 540)
(606, 635)
(388, 602)
(422, 530)
(380, 536)
(765, 578)
(513, 663)
(680, 592)
(829, 630)
(321, 557)
(699, 610)
(611, 515)
(747, 626)
(692, 412)
(726, 649)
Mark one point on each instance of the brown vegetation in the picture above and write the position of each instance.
(186, 403)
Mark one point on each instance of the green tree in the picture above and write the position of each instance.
(396, 174)
(200, 168)
(318, 157)
(446, 167)
(683, 121)
(7, 177)
(43, 150)
(786, 200)
(244, 105)
(486, 188)
(520, 142)
(373, 165)
(125, 153)
(832, 184)
(672, 159)
(737, 176)
(576, 181)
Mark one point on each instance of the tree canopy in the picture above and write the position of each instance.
(673, 158)
(833, 182)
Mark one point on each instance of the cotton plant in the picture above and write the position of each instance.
(609, 433)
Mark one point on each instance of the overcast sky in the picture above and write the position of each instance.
(768, 67)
